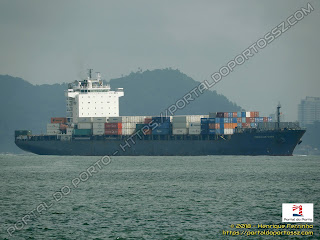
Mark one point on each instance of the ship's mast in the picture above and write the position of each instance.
(90, 73)
(278, 115)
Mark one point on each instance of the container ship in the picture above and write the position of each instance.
(93, 127)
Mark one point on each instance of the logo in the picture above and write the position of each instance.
(297, 212)
(295, 209)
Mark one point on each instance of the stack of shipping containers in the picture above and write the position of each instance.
(180, 125)
(98, 125)
(163, 126)
(214, 123)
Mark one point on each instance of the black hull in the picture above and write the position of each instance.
(274, 143)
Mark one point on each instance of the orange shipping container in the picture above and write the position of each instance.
(217, 126)
(235, 125)
(58, 120)
(265, 119)
(234, 114)
(256, 114)
(113, 125)
(225, 115)
(211, 125)
(247, 120)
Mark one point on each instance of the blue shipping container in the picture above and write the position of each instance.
(229, 120)
(211, 120)
(239, 125)
(204, 131)
(230, 114)
(212, 131)
(253, 125)
(234, 120)
(221, 125)
(161, 131)
(218, 120)
(269, 119)
(164, 125)
(219, 131)
(225, 120)
(204, 120)
(204, 126)
(244, 120)
(161, 119)
(239, 114)
(243, 114)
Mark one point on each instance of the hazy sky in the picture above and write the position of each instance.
(56, 41)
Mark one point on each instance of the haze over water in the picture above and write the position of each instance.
(153, 197)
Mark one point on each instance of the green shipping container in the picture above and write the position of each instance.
(22, 133)
(82, 132)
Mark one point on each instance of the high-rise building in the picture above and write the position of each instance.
(309, 110)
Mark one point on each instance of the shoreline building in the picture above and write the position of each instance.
(309, 111)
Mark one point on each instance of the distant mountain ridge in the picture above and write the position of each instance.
(27, 106)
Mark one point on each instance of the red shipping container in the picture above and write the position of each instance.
(58, 120)
(225, 114)
(146, 131)
(211, 125)
(247, 120)
(239, 120)
(113, 125)
(63, 126)
(234, 114)
(251, 114)
(252, 119)
(217, 126)
(147, 120)
(256, 114)
(113, 131)
(245, 125)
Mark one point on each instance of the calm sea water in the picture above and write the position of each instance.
(150, 197)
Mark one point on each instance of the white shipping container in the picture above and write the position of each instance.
(228, 131)
(180, 131)
(53, 132)
(84, 119)
(196, 118)
(247, 114)
(128, 125)
(128, 131)
(194, 125)
(53, 126)
(100, 125)
(179, 125)
(179, 119)
(97, 131)
(133, 119)
(99, 119)
(114, 119)
(84, 125)
(194, 131)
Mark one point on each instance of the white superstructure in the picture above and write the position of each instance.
(91, 98)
